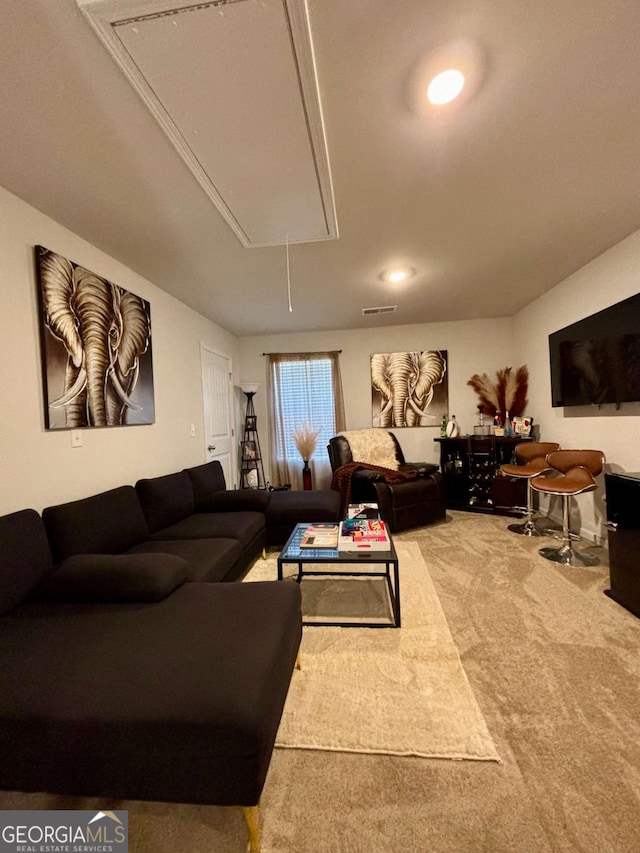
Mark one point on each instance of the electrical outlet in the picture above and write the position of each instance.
(76, 438)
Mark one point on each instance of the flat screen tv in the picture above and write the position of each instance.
(597, 360)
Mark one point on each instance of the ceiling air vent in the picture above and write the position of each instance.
(386, 309)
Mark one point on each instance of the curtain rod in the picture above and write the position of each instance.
(328, 352)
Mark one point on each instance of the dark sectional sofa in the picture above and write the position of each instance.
(189, 514)
(127, 669)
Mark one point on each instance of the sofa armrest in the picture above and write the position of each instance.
(423, 468)
(107, 578)
(368, 474)
(229, 500)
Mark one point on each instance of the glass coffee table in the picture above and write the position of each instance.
(331, 562)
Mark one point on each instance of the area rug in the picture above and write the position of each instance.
(390, 691)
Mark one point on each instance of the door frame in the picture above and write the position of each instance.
(232, 408)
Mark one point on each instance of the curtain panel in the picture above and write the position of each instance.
(303, 389)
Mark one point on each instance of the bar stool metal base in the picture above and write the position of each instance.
(528, 528)
(567, 556)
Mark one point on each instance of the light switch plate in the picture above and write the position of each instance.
(76, 438)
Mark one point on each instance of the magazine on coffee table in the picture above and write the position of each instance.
(320, 536)
(358, 534)
(363, 510)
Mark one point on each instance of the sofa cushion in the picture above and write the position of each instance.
(251, 500)
(115, 578)
(108, 523)
(206, 479)
(25, 557)
(211, 494)
(209, 559)
(243, 526)
(166, 500)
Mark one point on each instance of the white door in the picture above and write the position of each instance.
(217, 402)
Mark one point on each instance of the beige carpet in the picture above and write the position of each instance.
(372, 690)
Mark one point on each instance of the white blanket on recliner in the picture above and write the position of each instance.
(372, 447)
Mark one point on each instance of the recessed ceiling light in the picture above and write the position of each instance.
(397, 274)
(450, 73)
(445, 86)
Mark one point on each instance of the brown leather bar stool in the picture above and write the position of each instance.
(533, 454)
(578, 469)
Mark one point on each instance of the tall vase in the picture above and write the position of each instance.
(306, 476)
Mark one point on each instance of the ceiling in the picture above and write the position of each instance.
(492, 202)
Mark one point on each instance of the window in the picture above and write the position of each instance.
(305, 388)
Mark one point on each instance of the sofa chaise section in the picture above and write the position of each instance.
(177, 700)
(282, 509)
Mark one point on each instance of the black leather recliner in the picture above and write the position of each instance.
(410, 503)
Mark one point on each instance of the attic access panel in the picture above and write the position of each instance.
(233, 85)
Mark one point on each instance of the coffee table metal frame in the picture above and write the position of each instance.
(348, 564)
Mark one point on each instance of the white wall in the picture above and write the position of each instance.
(481, 346)
(613, 276)
(39, 467)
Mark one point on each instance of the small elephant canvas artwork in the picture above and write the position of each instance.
(409, 389)
(96, 348)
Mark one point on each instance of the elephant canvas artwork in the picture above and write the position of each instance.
(409, 389)
(96, 348)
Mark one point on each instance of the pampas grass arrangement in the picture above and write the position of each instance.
(508, 393)
(305, 438)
